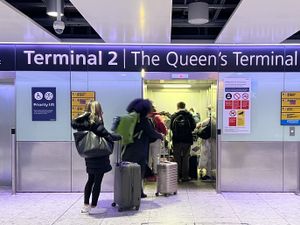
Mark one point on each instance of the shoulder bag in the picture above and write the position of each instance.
(89, 145)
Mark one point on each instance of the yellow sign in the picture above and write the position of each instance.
(290, 102)
(83, 94)
(292, 94)
(241, 118)
(290, 109)
(290, 116)
(79, 101)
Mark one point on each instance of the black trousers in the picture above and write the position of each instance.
(93, 186)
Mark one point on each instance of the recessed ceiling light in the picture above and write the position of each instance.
(177, 85)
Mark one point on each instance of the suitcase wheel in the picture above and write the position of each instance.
(175, 193)
(156, 194)
(137, 208)
(113, 204)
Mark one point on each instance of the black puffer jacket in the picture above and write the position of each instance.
(98, 164)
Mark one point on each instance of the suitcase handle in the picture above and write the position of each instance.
(118, 146)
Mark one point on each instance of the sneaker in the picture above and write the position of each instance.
(97, 210)
(85, 209)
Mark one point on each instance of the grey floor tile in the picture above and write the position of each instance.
(195, 203)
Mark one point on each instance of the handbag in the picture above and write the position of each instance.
(89, 145)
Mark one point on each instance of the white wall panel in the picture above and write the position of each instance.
(128, 21)
(265, 106)
(28, 130)
(261, 22)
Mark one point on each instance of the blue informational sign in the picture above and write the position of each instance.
(290, 122)
(43, 103)
(151, 58)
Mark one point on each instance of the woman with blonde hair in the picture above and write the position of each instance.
(96, 167)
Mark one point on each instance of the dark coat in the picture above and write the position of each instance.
(189, 137)
(138, 150)
(98, 164)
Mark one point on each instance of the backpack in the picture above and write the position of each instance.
(125, 125)
(181, 126)
(205, 132)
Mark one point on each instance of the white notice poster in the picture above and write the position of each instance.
(236, 106)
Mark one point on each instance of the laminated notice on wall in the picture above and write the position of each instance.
(290, 108)
(236, 106)
(79, 101)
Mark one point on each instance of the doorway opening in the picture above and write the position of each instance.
(200, 98)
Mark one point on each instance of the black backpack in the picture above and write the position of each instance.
(205, 132)
(181, 126)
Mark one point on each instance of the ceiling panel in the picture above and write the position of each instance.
(261, 21)
(128, 21)
(155, 21)
(17, 27)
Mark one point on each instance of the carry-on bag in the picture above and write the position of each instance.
(166, 178)
(127, 184)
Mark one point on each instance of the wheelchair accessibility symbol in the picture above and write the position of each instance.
(38, 95)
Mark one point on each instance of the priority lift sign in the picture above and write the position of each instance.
(43, 103)
(290, 108)
(237, 105)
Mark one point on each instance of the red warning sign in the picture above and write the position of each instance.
(228, 104)
(245, 104)
(232, 121)
(236, 96)
(236, 104)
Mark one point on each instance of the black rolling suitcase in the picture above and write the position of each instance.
(127, 184)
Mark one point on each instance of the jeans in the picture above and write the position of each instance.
(154, 155)
(93, 186)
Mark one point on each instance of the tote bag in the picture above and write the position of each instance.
(89, 145)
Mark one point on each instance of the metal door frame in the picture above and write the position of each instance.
(195, 76)
(8, 78)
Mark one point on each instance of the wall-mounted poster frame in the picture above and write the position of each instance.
(290, 108)
(79, 99)
(237, 106)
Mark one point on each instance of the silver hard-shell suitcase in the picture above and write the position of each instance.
(166, 178)
(127, 185)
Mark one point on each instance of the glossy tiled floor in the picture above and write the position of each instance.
(196, 203)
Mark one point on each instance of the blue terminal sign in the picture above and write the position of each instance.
(160, 58)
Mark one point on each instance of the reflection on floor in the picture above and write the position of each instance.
(196, 203)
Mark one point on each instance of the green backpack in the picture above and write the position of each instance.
(125, 125)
